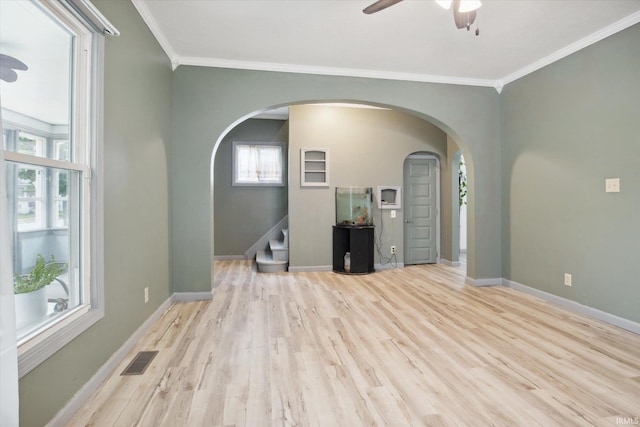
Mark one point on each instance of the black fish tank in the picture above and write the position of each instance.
(353, 206)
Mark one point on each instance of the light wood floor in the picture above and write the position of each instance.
(406, 347)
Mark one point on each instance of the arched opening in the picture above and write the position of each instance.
(326, 114)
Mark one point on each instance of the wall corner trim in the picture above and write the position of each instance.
(449, 263)
(576, 307)
(483, 282)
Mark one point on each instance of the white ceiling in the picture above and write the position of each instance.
(412, 40)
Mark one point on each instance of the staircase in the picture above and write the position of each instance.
(276, 257)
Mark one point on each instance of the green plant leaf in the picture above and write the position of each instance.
(42, 274)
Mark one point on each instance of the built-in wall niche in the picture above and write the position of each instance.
(314, 167)
(389, 197)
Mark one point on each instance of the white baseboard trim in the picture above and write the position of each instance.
(310, 268)
(229, 257)
(483, 282)
(574, 306)
(63, 416)
(449, 263)
(192, 296)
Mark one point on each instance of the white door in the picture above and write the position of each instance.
(420, 209)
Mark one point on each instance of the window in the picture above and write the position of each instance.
(50, 137)
(258, 163)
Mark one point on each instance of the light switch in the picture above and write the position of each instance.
(393, 214)
(612, 185)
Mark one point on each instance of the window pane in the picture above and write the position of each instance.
(52, 246)
(30, 144)
(60, 212)
(258, 164)
(269, 166)
(30, 193)
(61, 150)
(40, 97)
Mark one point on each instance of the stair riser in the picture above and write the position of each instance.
(271, 268)
(282, 255)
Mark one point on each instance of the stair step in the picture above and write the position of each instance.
(278, 250)
(277, 245)
(285, 234)
(266, 263)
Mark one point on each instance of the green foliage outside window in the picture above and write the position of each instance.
(462, 183)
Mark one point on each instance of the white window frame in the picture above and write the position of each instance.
(87, 131)
(237, 181)
(49, 196)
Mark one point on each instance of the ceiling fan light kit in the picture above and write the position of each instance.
(464, 11)
(469, 5)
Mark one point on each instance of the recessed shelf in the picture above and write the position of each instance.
(314, 167)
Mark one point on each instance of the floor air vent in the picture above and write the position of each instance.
(140, 363)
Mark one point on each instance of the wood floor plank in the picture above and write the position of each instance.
(405, 347)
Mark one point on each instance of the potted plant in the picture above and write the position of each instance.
(30, 292)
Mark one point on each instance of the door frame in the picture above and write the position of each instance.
(428, 156)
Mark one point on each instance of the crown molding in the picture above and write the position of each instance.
(498, 84)
(148, 19)
(574, 47)
(332, 71)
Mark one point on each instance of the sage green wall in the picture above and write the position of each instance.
(136, 212)
(449, 204)
(208, 101)
(367, 148)
(567, 128)
(244, 214)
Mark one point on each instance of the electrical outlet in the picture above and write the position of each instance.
(567, 279)
(393, 250)
(612, 185)
(146, 295)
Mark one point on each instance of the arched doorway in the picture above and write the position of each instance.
(325, 116)
(210, 101)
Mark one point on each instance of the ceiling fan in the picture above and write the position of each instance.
(464, 11)
(8, 65)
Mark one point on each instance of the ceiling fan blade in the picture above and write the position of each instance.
(7, 61)
(379, 5)
(7, 66)
(8, 75)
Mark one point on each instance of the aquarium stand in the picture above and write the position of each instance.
(359, 241)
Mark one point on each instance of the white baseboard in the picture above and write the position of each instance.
(574, 306)
(192, 296)
(483, 282)
(449, 263)
(63, 416)
(310, 268)
(229, 257)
